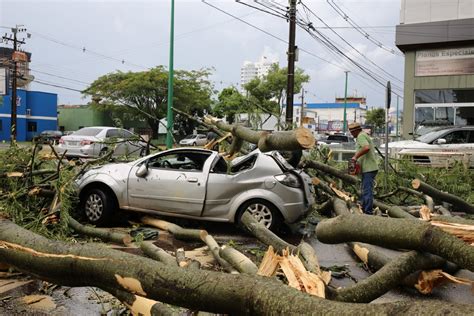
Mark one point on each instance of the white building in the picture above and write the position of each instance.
(251, 70)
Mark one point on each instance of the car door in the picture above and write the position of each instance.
(175, 183)
(458, 143)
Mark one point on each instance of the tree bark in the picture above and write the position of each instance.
(95, 265)
(397, 212)
(298, 139)
(156, 253)
(177, 231)
(436, 194)
(238, 260)
(331, 170)
(396, 233)
(101, 233)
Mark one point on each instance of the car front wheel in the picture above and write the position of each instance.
(98, 207)
(264, 212)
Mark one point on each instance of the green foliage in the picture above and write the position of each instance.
(229, 103)
(29, 210)
(376, 118)
(144, 95)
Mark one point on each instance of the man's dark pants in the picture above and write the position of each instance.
(367, 198)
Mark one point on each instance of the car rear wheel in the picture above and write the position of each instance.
(264, 212)
(98, 206)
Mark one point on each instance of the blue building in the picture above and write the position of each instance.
(36, 112)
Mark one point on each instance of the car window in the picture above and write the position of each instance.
(457, 137)
(191, 161)
(201, 136)
(220, 166)
(245, 164)
(88, 131)
(112, 133)
(126, 134)
(471, 137)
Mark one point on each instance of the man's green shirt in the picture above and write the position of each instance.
(368, 162)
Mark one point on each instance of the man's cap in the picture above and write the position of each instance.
(354, 126)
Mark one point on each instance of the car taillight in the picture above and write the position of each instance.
(61, 140)
(86, 142)
(289, 179)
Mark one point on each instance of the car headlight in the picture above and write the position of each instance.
(288, 179)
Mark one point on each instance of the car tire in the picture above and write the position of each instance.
(98, 206)
(264, 211)
(194, 144)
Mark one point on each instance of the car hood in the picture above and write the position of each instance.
(405, 144)
(111, 169)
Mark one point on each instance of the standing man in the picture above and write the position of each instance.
(366, 158)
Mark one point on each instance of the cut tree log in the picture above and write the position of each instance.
(238, 260)
(96, 265)
(396, 233)
(177, 231)
(436, 194)
(140, 305)
(397, 212)
(101, 233)
(156, 253)
(298, 139)
(214, 248)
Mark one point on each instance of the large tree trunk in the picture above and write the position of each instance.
(436, 194)
(95, 265)
(396, 233)
(298, 139)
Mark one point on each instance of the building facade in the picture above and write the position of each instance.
(251, 70)
(437, 39)
(36, 112)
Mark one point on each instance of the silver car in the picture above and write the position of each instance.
(198, 184)
(95, 141)
(194, 140)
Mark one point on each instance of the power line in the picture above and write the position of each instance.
(360, 29)
(349, 44)
(60, 77)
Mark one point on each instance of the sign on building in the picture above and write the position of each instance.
(3, 81)
(441, 62)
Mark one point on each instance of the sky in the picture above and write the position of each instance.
(74, 42)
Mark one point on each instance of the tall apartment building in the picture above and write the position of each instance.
(251, 70)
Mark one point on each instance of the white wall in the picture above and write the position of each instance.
(421, 11)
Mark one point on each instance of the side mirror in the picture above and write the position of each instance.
(441, 141)
(142, 171)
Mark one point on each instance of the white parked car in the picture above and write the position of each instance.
(90, 142)
(437, 148)
(194, 140)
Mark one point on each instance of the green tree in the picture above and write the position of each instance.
(376, 118)
(267, 94)
(229, 103)
(143, 95)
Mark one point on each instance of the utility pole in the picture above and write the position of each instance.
(13, 115)
(169, 114)
(344, 124)
(291, 65)
(302, 106)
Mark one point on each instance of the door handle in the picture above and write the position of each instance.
(192, 180)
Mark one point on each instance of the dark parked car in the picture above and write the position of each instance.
(48, 136)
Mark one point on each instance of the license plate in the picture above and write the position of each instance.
(73, 143)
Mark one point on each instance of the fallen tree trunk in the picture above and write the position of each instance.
(298, 139)
(156, 253)
(95, 265)
(331, 170)
(177, 231)
(397, 212)
(396, 233)
(238, 260)
(436, 194)
(101, 233)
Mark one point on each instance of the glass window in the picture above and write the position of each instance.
(457, 137)
(126, 134)
(112, 133)
(423, 114)
(31, 126)
(88, 131)
(444, 96)
(190, 161)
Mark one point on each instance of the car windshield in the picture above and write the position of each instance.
(431, 136)
(88, 131)
(341, 138)
(190, 137)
